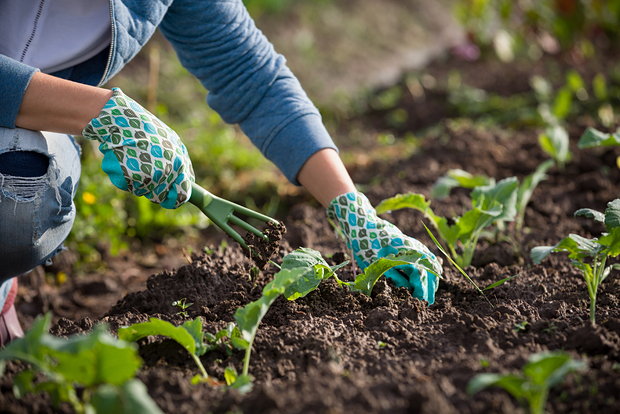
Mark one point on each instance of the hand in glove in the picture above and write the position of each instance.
(141, 154)
(371, 238)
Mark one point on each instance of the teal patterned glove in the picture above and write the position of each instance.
(371, 238)
(141, 154)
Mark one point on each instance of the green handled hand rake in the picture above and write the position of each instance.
(221, 212)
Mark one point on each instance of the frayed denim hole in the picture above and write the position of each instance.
(27, 164)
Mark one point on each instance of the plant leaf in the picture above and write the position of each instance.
(589, 213)
(302, 257)
(458, 178)
(501, 282)
(612, 214)
(562, 102)
(594, 138)
(509, 382)
(612, 241)
(400, 201)
(307, 282)
(504, 192)
(531, 182)
(230, 375)
(555, 142)
(130, 397)
(547, 369)
(158, 327)
(578, 247)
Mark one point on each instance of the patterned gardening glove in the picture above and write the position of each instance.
(141, 154)
(371, 238)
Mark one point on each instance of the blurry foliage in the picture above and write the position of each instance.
(532, 26)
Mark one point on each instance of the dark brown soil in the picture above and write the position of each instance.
(334, 351)
(261, 250)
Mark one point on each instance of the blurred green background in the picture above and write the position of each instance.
(361, 62)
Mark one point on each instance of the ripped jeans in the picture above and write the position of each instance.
(39, 174)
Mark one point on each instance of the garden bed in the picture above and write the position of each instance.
(334, 351)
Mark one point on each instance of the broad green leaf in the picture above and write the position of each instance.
(158, 327)
(531, 182)
(93, 359)
(243, 384)
(594, 138)
(504, 192)
(22, 383)
(578, 247)
(129, 398)
(555, 142)
(302, 257)
(548, 369)
(612, 214)
(589, 213)
(248, 318)
(612, 241)
(448, 233)
(306, 283)
(473, 221)
(230, 375)
(458, 178)
(510, 382)
(400, 201)
(194, 328)
(364, 282)
(562, 103)
(239, 343)
(28, 349)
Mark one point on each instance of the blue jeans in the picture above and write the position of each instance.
(39, 174)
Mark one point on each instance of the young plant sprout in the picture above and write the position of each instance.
(531, 387)
(182, 306)
(490, 203)
(596, 251)
(102, 366)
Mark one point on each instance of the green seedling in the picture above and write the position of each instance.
(531, 387)
(249, 317)
(520, 327)
(459, 178)
(230, 337)
(189, 335)
(316, 270)
(593, 138)
(102, 366)
(490, 203)
(182, 306)
(597, 251)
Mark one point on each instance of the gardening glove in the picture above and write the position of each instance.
(141, 154)
(371, 238)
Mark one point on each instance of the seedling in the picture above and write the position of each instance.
(531, 387)
(189, 335)
(183, 306)
(597, 251)
(97, 362)
(521, 326)
(490, 203)
(593, 138)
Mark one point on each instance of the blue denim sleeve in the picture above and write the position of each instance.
(14, 79)
(248, 82)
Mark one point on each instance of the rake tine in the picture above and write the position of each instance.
(236, 220)
(253, 214)
(232, 233)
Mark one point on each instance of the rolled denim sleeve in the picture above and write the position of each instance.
(14, 79)
(248, 82)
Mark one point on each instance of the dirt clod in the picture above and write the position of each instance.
(261, 250)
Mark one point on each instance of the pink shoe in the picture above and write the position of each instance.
(10, 328)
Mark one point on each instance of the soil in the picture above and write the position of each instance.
(334, 351)
(261, 250)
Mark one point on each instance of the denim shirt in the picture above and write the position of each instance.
(217, 41)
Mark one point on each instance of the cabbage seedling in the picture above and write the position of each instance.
(490, 203)
(596, 250)
(104, 366)
(531, 387)
(182, 306)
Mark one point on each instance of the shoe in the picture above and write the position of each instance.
(10, 328)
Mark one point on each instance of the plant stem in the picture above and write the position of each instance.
(246, 360)
(203, 371)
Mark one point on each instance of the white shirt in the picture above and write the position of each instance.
(52, 35)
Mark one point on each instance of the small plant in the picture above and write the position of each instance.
(490, 203)
(597, 251)
(531, 387)
(189, 335)
(101, 365)
(182, 306)
(520, 327)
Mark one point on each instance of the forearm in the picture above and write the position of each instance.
(325, 176)
(58, 105)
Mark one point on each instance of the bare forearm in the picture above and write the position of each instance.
(325, 176)
(57, 105)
